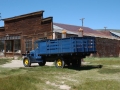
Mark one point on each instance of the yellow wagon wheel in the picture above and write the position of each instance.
(26, 62)
(59, 62)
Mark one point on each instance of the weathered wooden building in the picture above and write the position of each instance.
(19, 32)
(107, 45)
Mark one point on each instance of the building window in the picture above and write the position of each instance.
(35, 45)
(28, 45)
(17, 46)
(11, 43)
(9, 46)
(2, 42)
(10, 37)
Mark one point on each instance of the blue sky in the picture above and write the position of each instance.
(97, 13)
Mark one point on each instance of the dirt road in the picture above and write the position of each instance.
(19, 63)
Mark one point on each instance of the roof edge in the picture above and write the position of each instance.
(48, 18)
(2, 27)
(24, 15)
(71, 25)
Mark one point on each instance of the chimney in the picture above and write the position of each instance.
(54, 35)
(80, 32)
(63, 33)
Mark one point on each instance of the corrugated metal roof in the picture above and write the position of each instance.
(72, 29)
(118, 34)
(59, 29)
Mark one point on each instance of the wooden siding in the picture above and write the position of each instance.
(2, 31)
(30, 26)
(27, 25)
(107, 47)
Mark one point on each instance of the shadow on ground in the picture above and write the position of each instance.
(79, 68)
(84, 67)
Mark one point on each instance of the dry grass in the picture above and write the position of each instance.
(88, 77)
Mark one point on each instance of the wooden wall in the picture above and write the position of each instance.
(31, 26)
(2, 31)
(28, 25)
(107, 47)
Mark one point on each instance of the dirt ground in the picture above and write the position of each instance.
(19, 63)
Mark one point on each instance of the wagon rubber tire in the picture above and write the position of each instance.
(74, 63)
(42, 63)
(26, 62)
(59, 63)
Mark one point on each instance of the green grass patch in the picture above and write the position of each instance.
(5, 71)
(103, 61)
(109, 70)
(18, 82)
(98, 85)
(3, 61)
(88, 77)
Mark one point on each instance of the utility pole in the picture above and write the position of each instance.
(0, 17)
(82, 21)
(105, 28)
